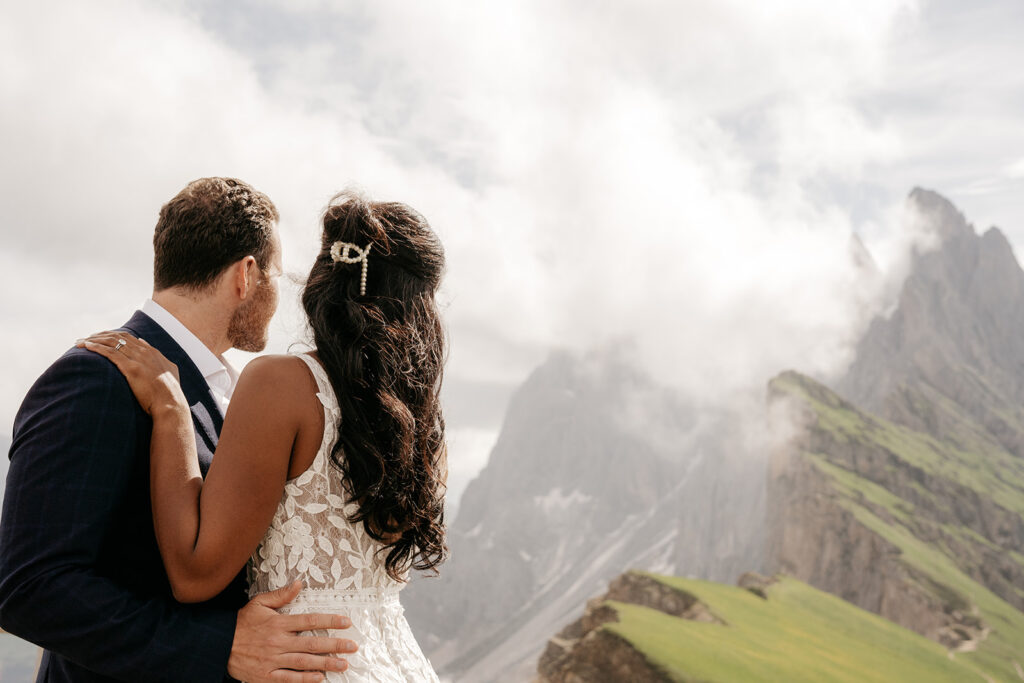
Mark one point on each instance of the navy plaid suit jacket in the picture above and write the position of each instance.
(80, 570)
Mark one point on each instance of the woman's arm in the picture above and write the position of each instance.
(207, 531)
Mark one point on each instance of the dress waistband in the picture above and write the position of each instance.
(328, 596)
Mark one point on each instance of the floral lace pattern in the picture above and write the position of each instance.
(310, 538)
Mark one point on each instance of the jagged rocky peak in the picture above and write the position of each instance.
(913, 468)
(941, 217)
(579, 427)
(998, 263)
(957, 333)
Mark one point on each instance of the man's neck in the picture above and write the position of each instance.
(201, 315)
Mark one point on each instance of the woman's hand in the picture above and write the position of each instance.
(152, 377)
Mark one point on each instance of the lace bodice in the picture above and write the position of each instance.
(310, 537)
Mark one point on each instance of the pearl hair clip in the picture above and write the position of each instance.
(339, 252)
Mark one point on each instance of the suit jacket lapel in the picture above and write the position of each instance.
(206, 416)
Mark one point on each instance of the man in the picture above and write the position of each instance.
(80, 570)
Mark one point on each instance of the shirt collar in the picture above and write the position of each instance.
(216, 370)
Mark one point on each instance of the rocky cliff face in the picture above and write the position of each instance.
(851, 496)
(597, 469)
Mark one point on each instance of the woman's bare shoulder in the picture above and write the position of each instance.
(276, 377)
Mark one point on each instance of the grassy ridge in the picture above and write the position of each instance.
(803, 634)
(982, 467)
(972, 461)
(799, 634)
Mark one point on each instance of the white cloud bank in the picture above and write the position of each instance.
(684, 173)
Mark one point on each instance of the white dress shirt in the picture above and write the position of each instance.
(219, 374)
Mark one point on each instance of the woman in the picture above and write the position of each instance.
(340, 453)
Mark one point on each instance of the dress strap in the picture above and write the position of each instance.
(332, 412)
(325, 391)
(323, 382)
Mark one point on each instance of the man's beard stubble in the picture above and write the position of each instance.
(250, 323)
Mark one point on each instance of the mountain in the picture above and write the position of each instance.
(597, 468)
(955, 343)
(652, 628)
(903, 491)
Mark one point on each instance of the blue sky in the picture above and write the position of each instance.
(684, 175)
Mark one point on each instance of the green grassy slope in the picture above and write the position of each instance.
(797, 634)
(969, 459)
(912, 498)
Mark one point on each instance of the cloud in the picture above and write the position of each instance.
(1015, 170)
(628, 171)
(685, 174)
(111, 109)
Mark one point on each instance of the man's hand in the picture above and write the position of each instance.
(268, 649)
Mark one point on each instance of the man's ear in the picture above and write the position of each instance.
(247, 273)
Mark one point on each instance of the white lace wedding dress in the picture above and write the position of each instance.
(311, 539)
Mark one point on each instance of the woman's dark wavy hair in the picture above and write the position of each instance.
(384, 353)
